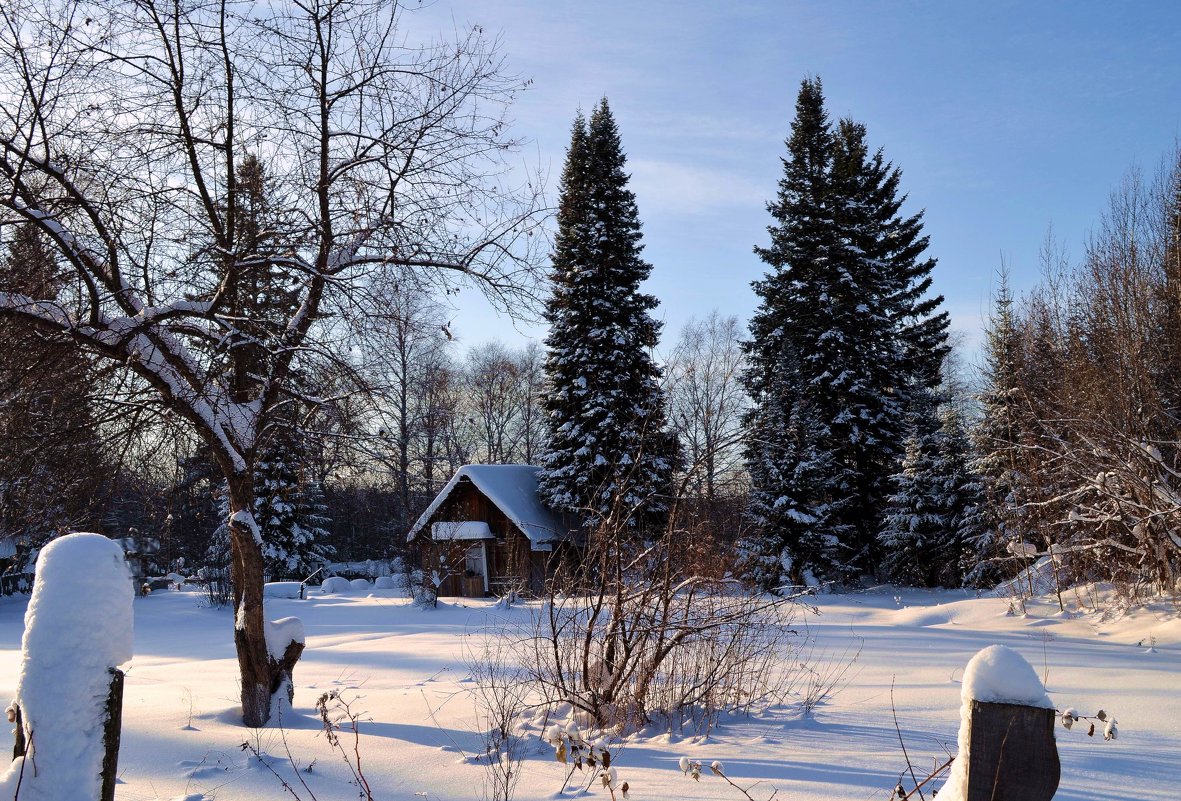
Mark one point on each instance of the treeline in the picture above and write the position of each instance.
(827, 442)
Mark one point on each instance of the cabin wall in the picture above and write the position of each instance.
(511, 564)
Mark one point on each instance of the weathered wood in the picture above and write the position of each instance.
(1012, 754)
(112, 733)
(19, 746)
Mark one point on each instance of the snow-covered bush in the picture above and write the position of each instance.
(335, 584)
(360, 584)
(78, 626)
(281, 589)
(385, 583)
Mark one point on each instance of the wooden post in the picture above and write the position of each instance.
(19, 746)
(112, 732)
(1012, 754)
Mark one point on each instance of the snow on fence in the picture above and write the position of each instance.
(69, 696)
(1006, 739)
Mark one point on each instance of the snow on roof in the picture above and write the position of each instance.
(462, 530)
(513, 489)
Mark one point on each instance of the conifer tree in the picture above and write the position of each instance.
(51, 463)
(289, 508)
(932, 512)
(607, 451)
(796, 530)
(846, 293)
(997, 438)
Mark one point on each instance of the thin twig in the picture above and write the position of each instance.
(906, 756)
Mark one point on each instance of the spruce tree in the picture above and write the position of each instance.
(846, 293)
(607, 452)
(998, 437)
(51, 463)
(796, 531)
(932, 512)
(289, 509)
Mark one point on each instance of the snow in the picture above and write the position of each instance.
(513, 489)
(409, 665)
(385, 583)
(78, 625)
(998, 674)
(282, 632)
(245, 518)
(359, 584)
(461, 530)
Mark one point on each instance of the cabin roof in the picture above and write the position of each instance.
(512, 488)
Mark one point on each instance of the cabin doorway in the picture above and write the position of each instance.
(475, 570)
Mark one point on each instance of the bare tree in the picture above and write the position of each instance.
(494, 401)
(405, 347)
(706, 403)
(531, 378)
(121, 131)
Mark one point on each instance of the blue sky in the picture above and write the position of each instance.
(1005, 117)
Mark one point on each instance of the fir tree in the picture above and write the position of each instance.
(607, 451)
(51, 462)
(998, 438)
(796, 533)
(932, 512)
(846, 293)
(289, 509)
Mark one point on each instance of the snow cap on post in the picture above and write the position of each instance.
(1000, 675)
(78, 626)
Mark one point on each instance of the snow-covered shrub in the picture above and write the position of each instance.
(385, 583)
(335, 584)
(78, 626)
(360, 584)
(281, 589)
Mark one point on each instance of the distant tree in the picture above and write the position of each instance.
(607, 448)
(530, 363)
(706, 403)
(289, 508)
(492, 389)
(998, 438)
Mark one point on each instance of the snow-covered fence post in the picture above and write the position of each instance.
(112, 735)
(1007, 747)
(69, 696)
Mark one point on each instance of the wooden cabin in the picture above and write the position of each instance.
(488, 533)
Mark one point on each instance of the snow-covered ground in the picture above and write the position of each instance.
(181, 736)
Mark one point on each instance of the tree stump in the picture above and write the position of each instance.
(1012, 754)
(284, 669)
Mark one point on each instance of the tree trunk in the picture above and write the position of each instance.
(259, 674)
